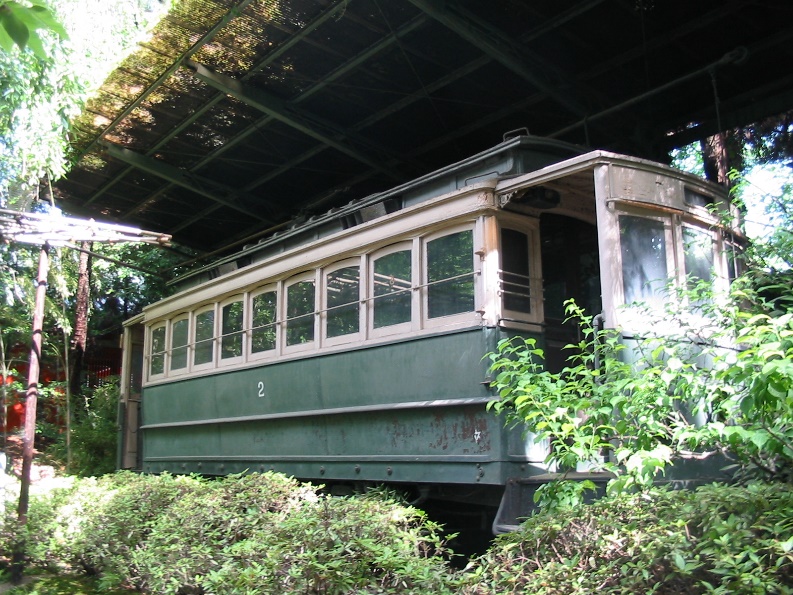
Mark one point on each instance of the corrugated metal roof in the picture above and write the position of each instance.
(238, 115)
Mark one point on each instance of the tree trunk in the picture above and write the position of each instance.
(31, 400)
(722, 153)
(81, 314)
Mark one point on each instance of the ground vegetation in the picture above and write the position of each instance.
(266, 533)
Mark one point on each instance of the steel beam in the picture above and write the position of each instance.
(508, 52)
(210, 189)
(309, 124)
(342, 70)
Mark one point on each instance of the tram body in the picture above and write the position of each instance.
(350, 348)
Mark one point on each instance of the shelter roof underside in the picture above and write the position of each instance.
(239, 116)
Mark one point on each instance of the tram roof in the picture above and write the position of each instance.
(239, 117)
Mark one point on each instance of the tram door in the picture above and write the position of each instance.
(570, 269)
(131, 385)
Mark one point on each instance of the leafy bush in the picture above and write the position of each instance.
(718, 539)
(258, 533)
(716, 379)
(268, 534)
(94, 433)
(368, 544)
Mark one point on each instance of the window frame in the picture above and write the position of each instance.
(237, 359)
(171, 371)
(286, 284)
(150, 354)
(670, 244)
(716, 269)
(408, 246)
(359, 335)
(459, 318)
(213, 341)
(530, 228)
(276, 324)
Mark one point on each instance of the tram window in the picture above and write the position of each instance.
(515, 271)
(643, 248)
(204, 337)
(342, 288)
(157, 362)
(696, 199)
(300, 312)
(263, 323)
(450, 282)
(734, 261)
(231, 319)
(179, 332)
(698, 254)
(392, 285)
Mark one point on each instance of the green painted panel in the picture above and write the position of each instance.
(460, 443)
(440, 367)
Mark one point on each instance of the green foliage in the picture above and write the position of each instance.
(258, 533)
(94, 432)
(268, 534)
(20, 24)
(603, 409)
(122, 292)
(718, 539)
(46, 78)
(717, 378)
(64, 585)
(752, 403)
(770, 253)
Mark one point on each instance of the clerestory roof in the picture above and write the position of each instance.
(239, 116)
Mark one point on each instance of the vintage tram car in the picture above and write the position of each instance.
(349, 348)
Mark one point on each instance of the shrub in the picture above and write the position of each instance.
(258, 533)
(196, 533)
(361, 544)
(718, 539)
(94, 433)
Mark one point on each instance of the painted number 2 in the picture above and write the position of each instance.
(260, 386)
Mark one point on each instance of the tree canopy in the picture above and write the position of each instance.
(51, 59)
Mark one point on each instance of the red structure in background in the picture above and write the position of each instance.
(99, 364)
(15, 408)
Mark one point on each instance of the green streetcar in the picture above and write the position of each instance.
(349, 348)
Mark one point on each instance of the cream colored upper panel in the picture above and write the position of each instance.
(422, 218)
(645, 186)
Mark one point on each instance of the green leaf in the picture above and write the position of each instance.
(34, 43)
(680, 562)
(747, 404)
(6, 43)
(759, 438)
(46, 20)
(787, 546)
(16, 29)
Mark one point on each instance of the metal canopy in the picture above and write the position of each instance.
(238, 117)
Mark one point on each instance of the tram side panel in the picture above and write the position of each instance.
(412, 411)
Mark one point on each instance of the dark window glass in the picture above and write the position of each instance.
(643, 246)
(300, 313)
(343, 297)
(696, 199)
(734, 261)
(157, 364)
(515, 276)
(392, 288)
(698, 254)
(231, 330)
(204, 337)
(450, 274)
(263, 331)
(179, 344)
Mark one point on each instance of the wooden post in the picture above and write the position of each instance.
(31, 401)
